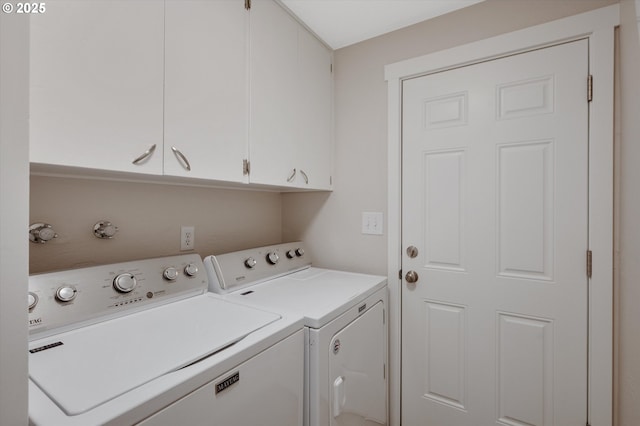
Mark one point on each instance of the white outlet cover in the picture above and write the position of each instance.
(187, 238)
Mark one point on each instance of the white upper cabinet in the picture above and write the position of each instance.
(202, 89)
(206, 94)
(291, 102)
(96, 85)
(273, 76)
(314, 124)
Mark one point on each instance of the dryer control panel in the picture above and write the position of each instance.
(235, 270)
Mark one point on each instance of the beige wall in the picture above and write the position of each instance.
(331, 225)
(148, 216)
(628, 214)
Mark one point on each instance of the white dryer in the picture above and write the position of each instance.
(345, 326)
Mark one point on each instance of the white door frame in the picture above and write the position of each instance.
(598, 27)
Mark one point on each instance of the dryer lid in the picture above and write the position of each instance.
(84, 368)
(320, 295)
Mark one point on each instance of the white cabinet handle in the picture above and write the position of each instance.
(290, 178)
(304, 175)
(183, 160)
(145, 155)
(339, 397)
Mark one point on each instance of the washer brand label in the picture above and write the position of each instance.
(336, 346)
(45, 347)
(35, 321)
(362, 308)
(228, 382)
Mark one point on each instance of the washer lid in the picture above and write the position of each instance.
(86, 367)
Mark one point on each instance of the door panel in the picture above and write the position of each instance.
(495, 199)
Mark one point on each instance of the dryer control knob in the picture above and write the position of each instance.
(66, 293)
(300, 252)
(250, 262)
(191, 270)
(291, 254)
(124, 283)
(273, 258)
(170, 273)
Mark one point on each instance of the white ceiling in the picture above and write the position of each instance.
(343, 22)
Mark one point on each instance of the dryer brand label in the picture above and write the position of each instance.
(228, 382)
(362, 308)
(336, 346)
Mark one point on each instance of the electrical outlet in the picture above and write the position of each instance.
(372, 223)
(187, 238)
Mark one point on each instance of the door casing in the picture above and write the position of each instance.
(598, 27)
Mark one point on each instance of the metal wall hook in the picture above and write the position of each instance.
(41, 233)
(104, 229)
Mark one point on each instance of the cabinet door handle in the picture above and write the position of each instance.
(145, 155)
(290, 178)
(181, 158)
(304, 175)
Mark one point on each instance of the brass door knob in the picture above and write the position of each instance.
(411, 277)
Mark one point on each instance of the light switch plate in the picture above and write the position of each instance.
(372, 223)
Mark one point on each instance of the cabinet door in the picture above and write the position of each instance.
(96, 85)
(273, 77)
(314, 124)
(206, 94)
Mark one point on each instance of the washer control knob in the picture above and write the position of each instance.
(191, 270)
(299, 252)
(33, 300)
(124, 283)
(66, 293)
(250, 262)
(273, 258)
(170, 273)
(291, 254)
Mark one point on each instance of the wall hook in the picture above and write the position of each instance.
(41, 233)
(104, 229)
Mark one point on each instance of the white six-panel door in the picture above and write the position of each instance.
(494, 199)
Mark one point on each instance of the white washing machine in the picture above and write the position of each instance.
(144, 342)
(345, 326)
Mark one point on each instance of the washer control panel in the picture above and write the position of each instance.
(60, 300)
(233, 271)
